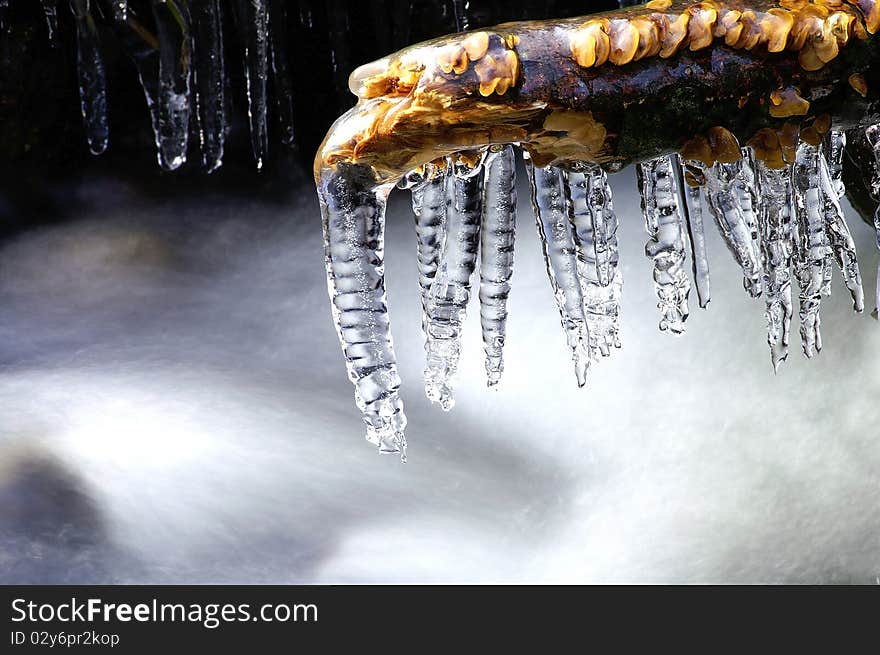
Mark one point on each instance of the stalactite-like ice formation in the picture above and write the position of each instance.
(173, 32)
(813, 252)
(777, 203)
(560, 256)
(728, 195)
(496, 255)
(591, 212)
(92, 79)
(281, 74)
(353, 210)
(664, 222)
(447, 299)
(693, 213)
(872, 133)
(834, 149)
(253, 22)
(209, 81)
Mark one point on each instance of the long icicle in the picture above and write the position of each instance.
(665, 225)
(839, 236)
(557, 240)
(591, 212)
(281, 74)
(92, 79)
(209, 79)
(775, 216)
(353, 211)
(253, 24)
(872, 133)
(496, 255)
(690, 180)
(173, 31)
(724, 200)
(814, 250)
(447, 300)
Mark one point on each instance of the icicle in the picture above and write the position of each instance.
(4, 10)
(692, 206)
(834, 148)
(555, 230)
(92, 80)
(460, 12)
(209, 81)
(729, 189)
(591, 212)
(839, 236)
(142, 47)
(50, 9)
(172, 29)
(429, 210)
(120, 10)
(281, 69)
(872, 132)
(496, 254)
(253, 23)
(775, 217)
(447, 300)
(813, 254)
(665, 225)
(353, 211)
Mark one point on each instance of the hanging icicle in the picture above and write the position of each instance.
(447, 300)
(353, 211)
(872, 133)
(734, 214)
(253, 23)
(92, 79)
(209, 81)
(690, 184)
(50, 10)
(591, 212)
(496, 255)
(281, 75)
(173, 102)
(560, 257)
(776, 208)
(665, 225)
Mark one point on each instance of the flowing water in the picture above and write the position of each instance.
(173, 408)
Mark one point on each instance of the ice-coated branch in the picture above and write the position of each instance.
(353, 212)
(664, 223)
(591, 212)
(496, 255)
(446, 304)
(560, 257)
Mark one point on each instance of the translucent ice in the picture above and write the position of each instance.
(175, 57)
(446, 303)
(560, 256)
(667, 247)
(353, 211)
(254, 25)
(92, 79)
(496, 254)
(693, 213)
(591, 212)
(209, 81)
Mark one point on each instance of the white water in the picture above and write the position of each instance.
(174, 408)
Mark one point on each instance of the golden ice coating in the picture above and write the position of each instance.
(536, 83)
(815, 29)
